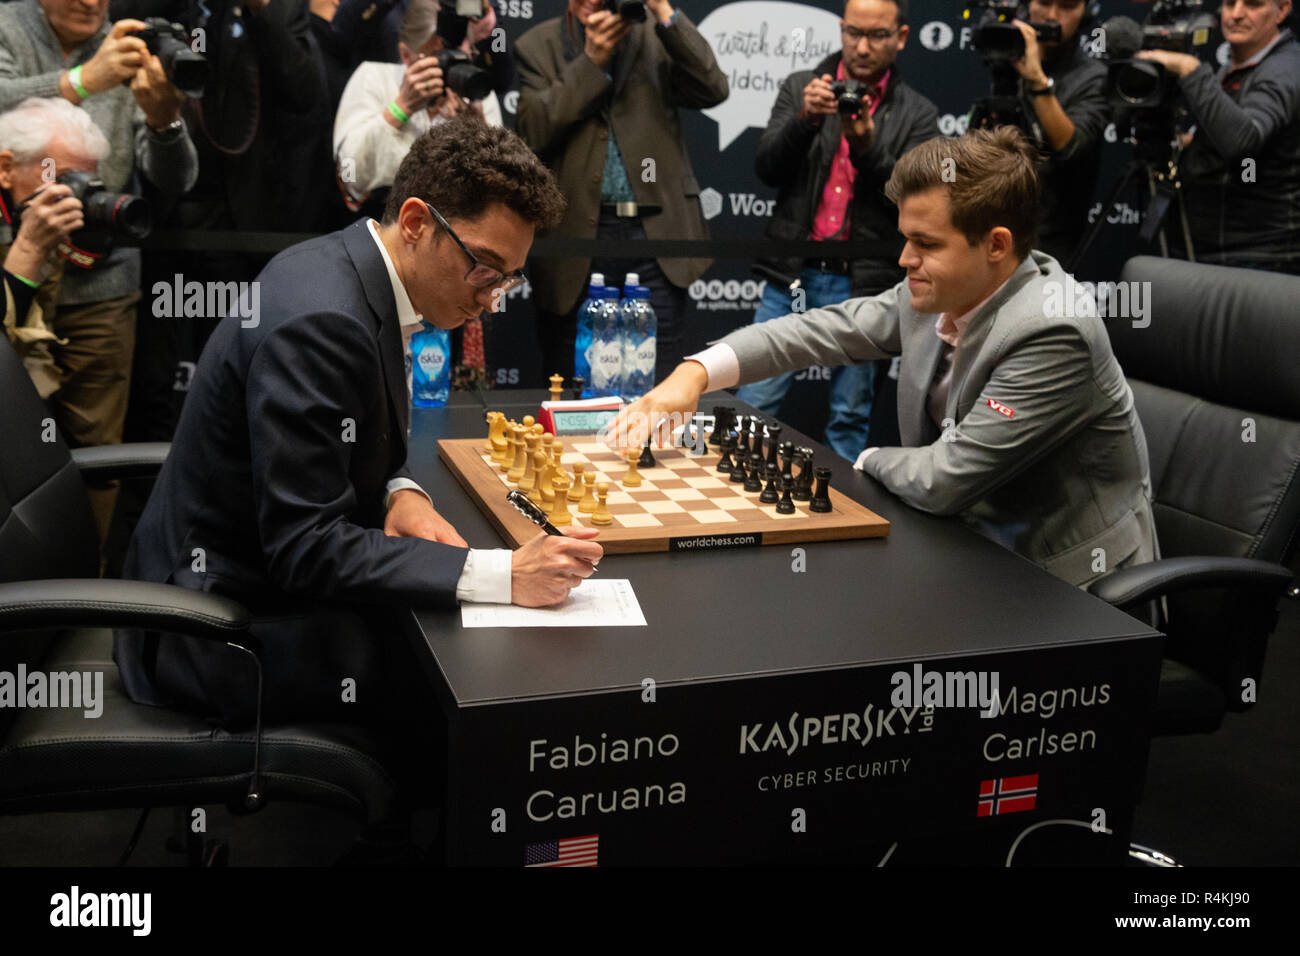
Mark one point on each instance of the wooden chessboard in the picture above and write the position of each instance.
(683, 503)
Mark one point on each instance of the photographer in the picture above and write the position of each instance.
(1063, 94)
(830, 168)
(598, 103)
(388, 106)
(57, 48)
(1241, 168)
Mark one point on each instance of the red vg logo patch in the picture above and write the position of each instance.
(998, 407)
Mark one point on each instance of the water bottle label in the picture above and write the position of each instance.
(645, 356)
(606, 360)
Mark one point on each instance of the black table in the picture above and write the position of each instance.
(751, 720)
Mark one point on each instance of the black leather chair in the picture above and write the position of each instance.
(1216, 380)
(56, 616)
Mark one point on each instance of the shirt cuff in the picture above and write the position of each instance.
(860, 464)
(721, 364)
(398, 484)
(485, 578)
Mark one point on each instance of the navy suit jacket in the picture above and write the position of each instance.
(273, 494)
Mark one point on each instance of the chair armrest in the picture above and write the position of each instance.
(134, 460)
(1129, 587)
(89, 602)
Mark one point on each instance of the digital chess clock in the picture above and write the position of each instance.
(584, 416)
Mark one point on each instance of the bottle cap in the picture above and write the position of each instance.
(632, 279)
(597, 278)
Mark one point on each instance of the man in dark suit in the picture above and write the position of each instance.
(286, 486)
(598, 102)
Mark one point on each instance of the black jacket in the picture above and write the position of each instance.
(1068, 177)
(1236, 218)
(273, 493)
(796, 157)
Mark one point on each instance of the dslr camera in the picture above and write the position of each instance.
(185, 69)
(460, 73)
(850, 96)
(996, 38)
(633, 11)
(119, 214)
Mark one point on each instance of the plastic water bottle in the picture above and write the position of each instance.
(605, 355)
(640, 328)
(587, 313)
(430, 366)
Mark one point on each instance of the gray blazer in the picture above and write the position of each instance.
(1046, 454)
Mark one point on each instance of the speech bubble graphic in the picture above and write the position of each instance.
(758, 43)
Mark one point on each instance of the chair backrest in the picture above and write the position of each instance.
(46, 526)
(1217, 386)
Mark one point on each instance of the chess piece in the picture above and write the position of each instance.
(821, 501)
(785, 506)
(631, 479)
(602, 515)
(496, 439)
(756, 443)
(720, 426)
(725, 464)
(588, 503)
(548, 446)
(528, 480)
(754, 481)
(544, 475)
(647, 459)
(560, 514)
(578, 382)
(787, 459)
(575, 492)
(540, 474)
(773, 440)
(557, 387)
(770, 495)
(548, 503)
(518, 468)
(738, 473)
(557, 459)
(803, 482)
(529, 422)
(508, 455)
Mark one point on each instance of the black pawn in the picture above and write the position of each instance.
(754, 482)
(787, 459)
(577, 382)
(773, 440)
(647, 459)
(738, 473)
(746, 431)
(756, 446)
(770, 495)
(725, 464)
(804, 481)
(821, 501)
(785, 506)
(720, 426)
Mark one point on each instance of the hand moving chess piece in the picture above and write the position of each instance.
(602, 515)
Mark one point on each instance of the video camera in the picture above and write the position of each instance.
(185, 69)
(1180, 26)
(459, 72)
(996, 38)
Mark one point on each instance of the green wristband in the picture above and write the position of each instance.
(74, 77)
(397, 113)
(26, 281)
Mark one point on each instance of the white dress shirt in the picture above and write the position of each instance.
(485, 578)
(367, 150)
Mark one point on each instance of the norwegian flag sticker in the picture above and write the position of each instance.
(1001, 409)
(1007, 795)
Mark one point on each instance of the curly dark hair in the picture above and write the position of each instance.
(462, 165)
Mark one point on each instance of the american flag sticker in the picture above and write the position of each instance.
(574, 851)
(1008, 795)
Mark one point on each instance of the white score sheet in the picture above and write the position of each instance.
(591, 604)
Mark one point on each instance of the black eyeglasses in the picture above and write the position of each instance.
(480, 276)
(872, 36)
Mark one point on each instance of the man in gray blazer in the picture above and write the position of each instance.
(1012, 409)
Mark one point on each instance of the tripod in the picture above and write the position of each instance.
(1153, 157)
